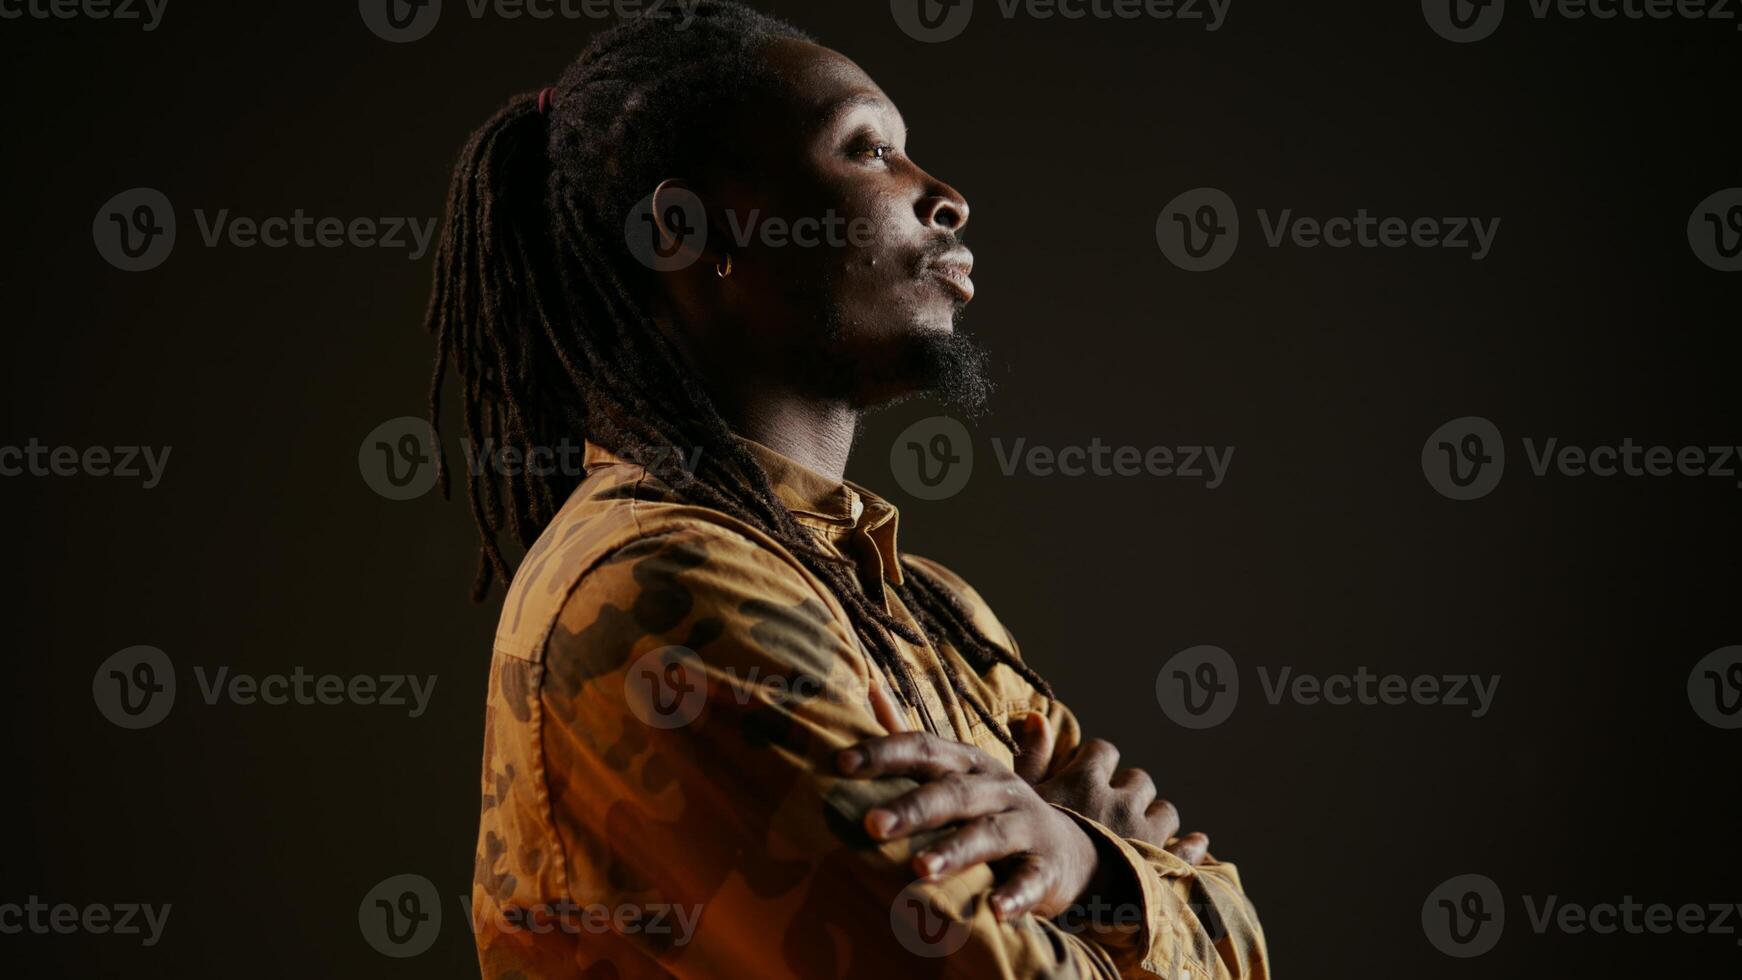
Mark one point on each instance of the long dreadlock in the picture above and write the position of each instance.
(539, 309)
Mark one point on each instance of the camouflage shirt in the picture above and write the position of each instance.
(668, 691)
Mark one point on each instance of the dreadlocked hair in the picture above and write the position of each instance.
(540, 311)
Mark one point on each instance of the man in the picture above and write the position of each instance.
(732, 730)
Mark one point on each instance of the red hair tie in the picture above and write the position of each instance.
(544, 96)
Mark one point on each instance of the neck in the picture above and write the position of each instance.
(815, 434)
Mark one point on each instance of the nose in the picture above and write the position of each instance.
(942, 207)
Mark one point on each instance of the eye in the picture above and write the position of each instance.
(872, 148)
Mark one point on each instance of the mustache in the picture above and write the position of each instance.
(937, 247)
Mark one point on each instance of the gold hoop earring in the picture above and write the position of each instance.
(724, 269)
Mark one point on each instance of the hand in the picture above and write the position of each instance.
(997, 817)
(1123, 800)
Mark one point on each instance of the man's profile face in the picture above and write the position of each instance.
(858, 298)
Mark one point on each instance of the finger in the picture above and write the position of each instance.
(980, 841)
(1022, 889)
(954, 798)
(1097, 756)
(918, 754)
(1136, 784)
(886, 709)
(1163, 820)
(1034, 746)
(1192, 849)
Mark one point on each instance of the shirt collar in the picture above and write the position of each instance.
(850, 515)
(842, 509)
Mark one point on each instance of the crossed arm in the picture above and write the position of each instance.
(800, 820)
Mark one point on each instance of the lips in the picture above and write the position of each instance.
(953, 270)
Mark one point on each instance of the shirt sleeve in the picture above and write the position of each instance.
(1195, 922)
(695, 691)
(1214, 928)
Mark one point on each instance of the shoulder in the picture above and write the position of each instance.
(632, 568)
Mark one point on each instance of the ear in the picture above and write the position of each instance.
(679, 227)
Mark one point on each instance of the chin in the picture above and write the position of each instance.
(923, 357)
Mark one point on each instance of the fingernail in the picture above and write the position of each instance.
(930, 864)
(881, 822)
(849, 760)
(1001, 906)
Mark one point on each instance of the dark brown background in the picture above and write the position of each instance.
(263, 549)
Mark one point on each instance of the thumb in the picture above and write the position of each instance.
(1034, 747)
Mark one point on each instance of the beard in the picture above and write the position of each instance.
(872, 366)
(949, 366)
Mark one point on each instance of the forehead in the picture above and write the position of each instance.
(821, 82)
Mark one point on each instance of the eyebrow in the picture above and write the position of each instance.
(858, 100)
